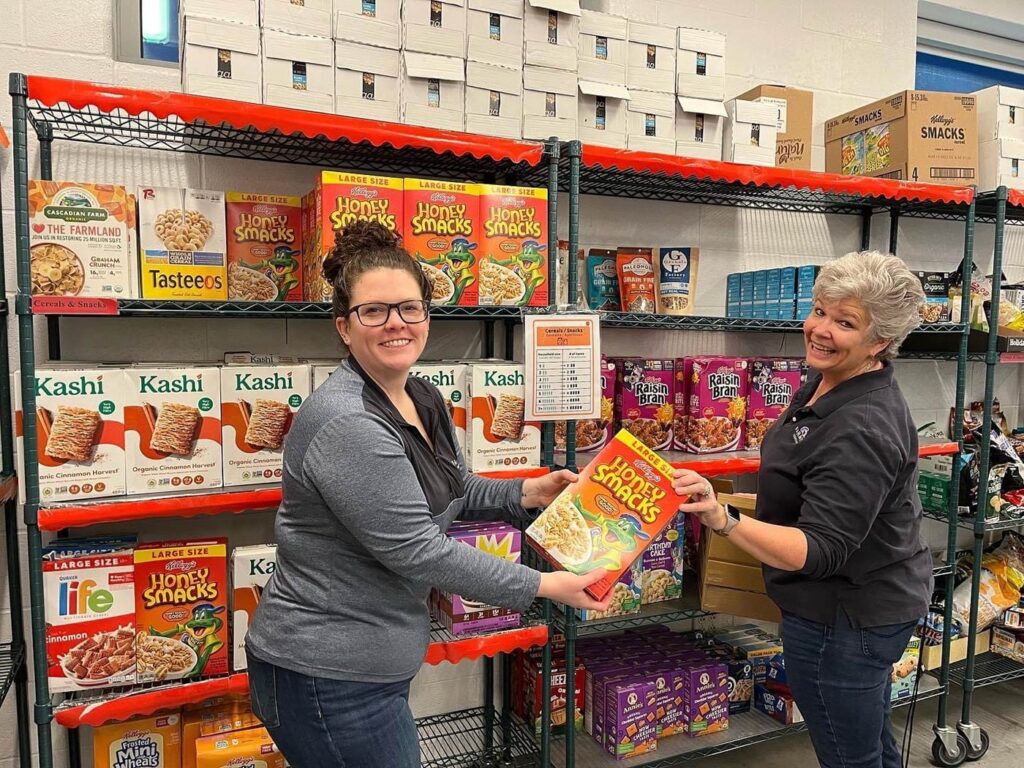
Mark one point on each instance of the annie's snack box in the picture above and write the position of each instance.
(251, 569)
(626, 488)
(264, 251)
(172, 429)
(499, 437)
(149, 742)
(513, 241)
(79, 242)
(450, 380)
(461, 615)
(252, 748)
(645, 399)
(717, 409)
(631, 719)
(258, 404)
(773, 382)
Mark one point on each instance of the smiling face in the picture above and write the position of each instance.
(391, 349)
(838, 340)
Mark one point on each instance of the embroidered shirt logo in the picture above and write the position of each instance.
(799, 434)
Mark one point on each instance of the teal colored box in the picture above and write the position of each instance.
(805, 278)
(774, 289)
(761, 285)
(787, 283)
(803, 308)
(787, 309)
(746, 287)
(747, 309)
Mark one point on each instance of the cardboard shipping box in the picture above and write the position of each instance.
(651, 121)
(602, 48)
(550, 103)
(494, 100)
(923, 136)
(298, 71)
(221, 59)
(700, 124)
(433, 91)
(602, 113)
(377, 22)
(750, 133)
(1000, 164)
(1000, 113)
(235, 11)
(651, 58)
(700, 64)
(299, 17)
(551, 34)
(366, 81)
(795, 118)
(494, 30)
(434, 26)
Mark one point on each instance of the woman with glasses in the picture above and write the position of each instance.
(373, 477)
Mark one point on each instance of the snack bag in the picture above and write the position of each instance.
(677, 280)
(635, 267)
(602, 280)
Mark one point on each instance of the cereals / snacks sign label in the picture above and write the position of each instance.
(563, 372)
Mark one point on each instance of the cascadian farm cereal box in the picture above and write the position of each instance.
(513, 245)
(337, 200)
(718, 404)
(772, 386)
(251, 569)
(450, 380)
(499, 437)
(606, 519)
(264, 247)
(150, 742)
(442, 232)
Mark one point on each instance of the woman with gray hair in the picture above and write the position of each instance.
(838, 519)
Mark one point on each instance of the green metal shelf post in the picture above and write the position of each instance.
(865, 229)
(575, 151)
(894, 229)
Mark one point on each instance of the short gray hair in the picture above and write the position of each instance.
(890, 293)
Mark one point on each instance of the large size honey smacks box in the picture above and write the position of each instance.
(513, 244)
(264, 235)
(442, 230)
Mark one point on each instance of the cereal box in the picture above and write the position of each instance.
(252, 748)
(676, 280)
(337, 200)
(172, 429)
(251, 569)
(90, 615)
(181, 610)
(681, 399)
(705, 696)
(450, 380)
(773, 383)
(259, 403)
(662, 571)
(264, 247)
(80, 433)
(594, 434)
(631, 719)
(514, 238)
(718, 404)
(79, 244)
(499, 438)
(441, 231)
(150, 742)
(182, 243)
(622, 500)
(528, 691)
(904, 671)
(461, 615)
(646, 400)
(778, 705)
(625, 596)
(197, 717)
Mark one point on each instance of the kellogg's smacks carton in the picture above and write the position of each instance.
(718, 404)
(773, 383)
(514, 237)
(441, 231)
(645, 395)
(622, 500)
(264, 247)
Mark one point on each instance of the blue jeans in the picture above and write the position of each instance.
(317, 722)
(841, 678)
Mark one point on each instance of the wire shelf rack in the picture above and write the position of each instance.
(459, 740)
(12, 656)
(989, 669)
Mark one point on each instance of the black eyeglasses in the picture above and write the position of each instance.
(375, 314)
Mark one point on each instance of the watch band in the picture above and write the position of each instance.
(732, 519)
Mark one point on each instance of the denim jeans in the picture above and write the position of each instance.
(317, 722)
(841, 678)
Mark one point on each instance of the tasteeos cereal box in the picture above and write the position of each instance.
(90, 614)
(646, 400)
(258, 404)
(622, 500)
(264, 247)
(499, 437)
(79, 239)
(513, 241)
(450, 380)
(181, 609)
(461, 615)
(337, 200)
(182, 244)
(251, 748)
(149, 742)
(773, 382)
(594, 434)
(251, 569)
(172, 429)
(441, 231)
(718, 404)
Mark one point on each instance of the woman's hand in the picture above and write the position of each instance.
(567, 588)
(703, 502)
(541, 491)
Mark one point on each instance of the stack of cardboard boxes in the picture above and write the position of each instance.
(494, 69)
(1000, 137)
(602, 79)
(433, 91)
(700, 86)
(551, 42)
(367, 77)
(650, 77)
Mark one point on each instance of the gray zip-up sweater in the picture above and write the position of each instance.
(358, 544)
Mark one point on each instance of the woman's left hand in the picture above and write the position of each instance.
(703, 502)
(541, 491)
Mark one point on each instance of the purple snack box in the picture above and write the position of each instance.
(645, 400)
(717, 407)
(662, 567)
(594, 692)
(683, 373)
(632, 719)
(462, 616)
(773, 382)
(705, 697)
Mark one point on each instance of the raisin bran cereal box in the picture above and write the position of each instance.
(441, 231)
(718, 404)
(264, 247)
(594, 434)
(251, 748)
(622, 500)
(646, 400)
(773, 383)
(681, 411)
(149, 742)
(181, 610)
(337, 200)
(450, 380)
(513, 238)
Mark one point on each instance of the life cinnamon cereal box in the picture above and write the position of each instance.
(773, 382)
(181, 610)
(499, 437)
(251, 569)
(646, 400)
(172, 429)
(337, 200)
(514, 240)
(251, 748)
(264, 247)
(718, 404)
(442, 232)
(450, 380)
(622, 500)
(149, 742)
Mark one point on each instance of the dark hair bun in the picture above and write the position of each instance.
(358, 237)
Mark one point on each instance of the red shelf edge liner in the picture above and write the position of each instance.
(1015, 197)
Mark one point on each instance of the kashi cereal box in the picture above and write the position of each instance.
(514, 237)
(681, 395)
(705, 697)
(718, 404)
(773, 382)
(337, 200)
(499, 437)
(90, 614)
(662, 571)
(79, 243)
(264, 247)
(594, 434)
(150, 742)
(251, 569)
(442, 231)
(258, 405)
(450, 380)
(461, 615)
(181, 610)
(172, 429)
(622, 500)
(631, 719)
(646, 400)
(251, 748)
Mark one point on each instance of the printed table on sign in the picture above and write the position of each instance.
(563, 377)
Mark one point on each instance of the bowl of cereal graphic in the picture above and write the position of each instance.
(55, 270)
(101, 660)
(658, 584)
(247, 284)
(441, 286)
(163, 658)
(500, 285)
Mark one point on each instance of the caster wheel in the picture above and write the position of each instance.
(944, 759)
(972, 755)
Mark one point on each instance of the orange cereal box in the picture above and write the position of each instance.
(252, 748)
(513, 241)
(442, 231)
(606, 519)
(337, 200)
(264, 247)
(150, 742)
(181, 609)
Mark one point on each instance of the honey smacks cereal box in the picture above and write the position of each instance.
(264, 247)
(513, 241)
(442, 230)
(150, 742)
(251, 748)
(181, 590)
(337, 200)
(606, 519)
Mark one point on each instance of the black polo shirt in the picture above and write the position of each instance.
(844, 471)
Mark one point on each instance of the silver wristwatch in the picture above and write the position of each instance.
(732, 519)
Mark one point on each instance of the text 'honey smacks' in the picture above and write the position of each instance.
(513, 245)
(442, 232)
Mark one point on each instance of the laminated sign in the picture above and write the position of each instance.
(606, 519)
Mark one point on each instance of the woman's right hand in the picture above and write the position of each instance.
(568, 588)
